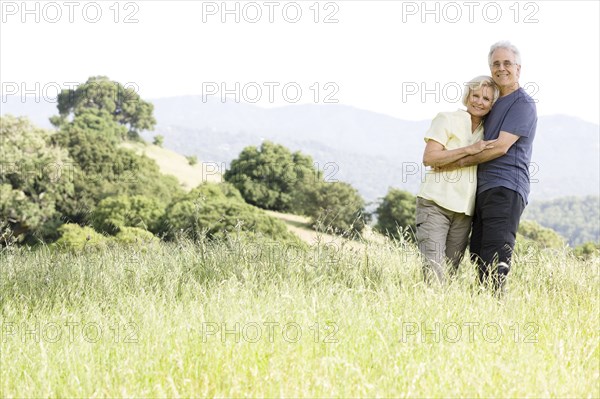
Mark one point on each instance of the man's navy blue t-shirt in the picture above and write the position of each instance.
(515, 113)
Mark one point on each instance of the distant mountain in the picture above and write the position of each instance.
(371, 151)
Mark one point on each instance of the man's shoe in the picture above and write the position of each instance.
(503, 270)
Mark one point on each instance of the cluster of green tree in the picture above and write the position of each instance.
(272, 177)
(576, 218)
(76, 184)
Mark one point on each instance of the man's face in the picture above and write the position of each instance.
(504, 70)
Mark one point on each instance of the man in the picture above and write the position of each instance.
(503, 171)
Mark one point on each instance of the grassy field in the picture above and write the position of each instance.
(262, 319)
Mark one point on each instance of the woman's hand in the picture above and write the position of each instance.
(480, 146)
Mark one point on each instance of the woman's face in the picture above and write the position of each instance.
(480, 101)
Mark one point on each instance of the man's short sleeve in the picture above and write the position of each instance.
(521, 118)
(438, 130)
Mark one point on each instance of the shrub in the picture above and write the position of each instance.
(158, 140)
(114, 213)
(192, 160)
(135, 236)
(217, 210)
(587, 250)
(77, 238)
(337, 207)
(542, 236)
(396, 214)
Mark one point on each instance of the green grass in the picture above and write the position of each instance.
(149, 323)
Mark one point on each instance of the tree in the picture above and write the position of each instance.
(272, 177)
(158, 140)
(104, 169)
(396, 213)
(337, 207)
(34, 180)
(123, 104)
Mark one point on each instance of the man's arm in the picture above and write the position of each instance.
(503, 143)
(436, 154)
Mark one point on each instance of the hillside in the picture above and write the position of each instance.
(174, 164)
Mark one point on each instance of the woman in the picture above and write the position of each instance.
(446, 199)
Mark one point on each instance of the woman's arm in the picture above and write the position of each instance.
(504, 141)
(436, 154)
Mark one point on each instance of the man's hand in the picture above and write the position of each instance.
(479, 146)
(501, 145)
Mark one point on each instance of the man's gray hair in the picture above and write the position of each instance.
(505, 44)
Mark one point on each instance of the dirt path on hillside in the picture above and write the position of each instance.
(300, 226)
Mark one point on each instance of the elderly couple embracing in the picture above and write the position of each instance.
(479, 177)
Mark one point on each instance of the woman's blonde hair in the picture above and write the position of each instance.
(476, 83)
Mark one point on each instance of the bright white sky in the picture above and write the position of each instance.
(378, 56)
